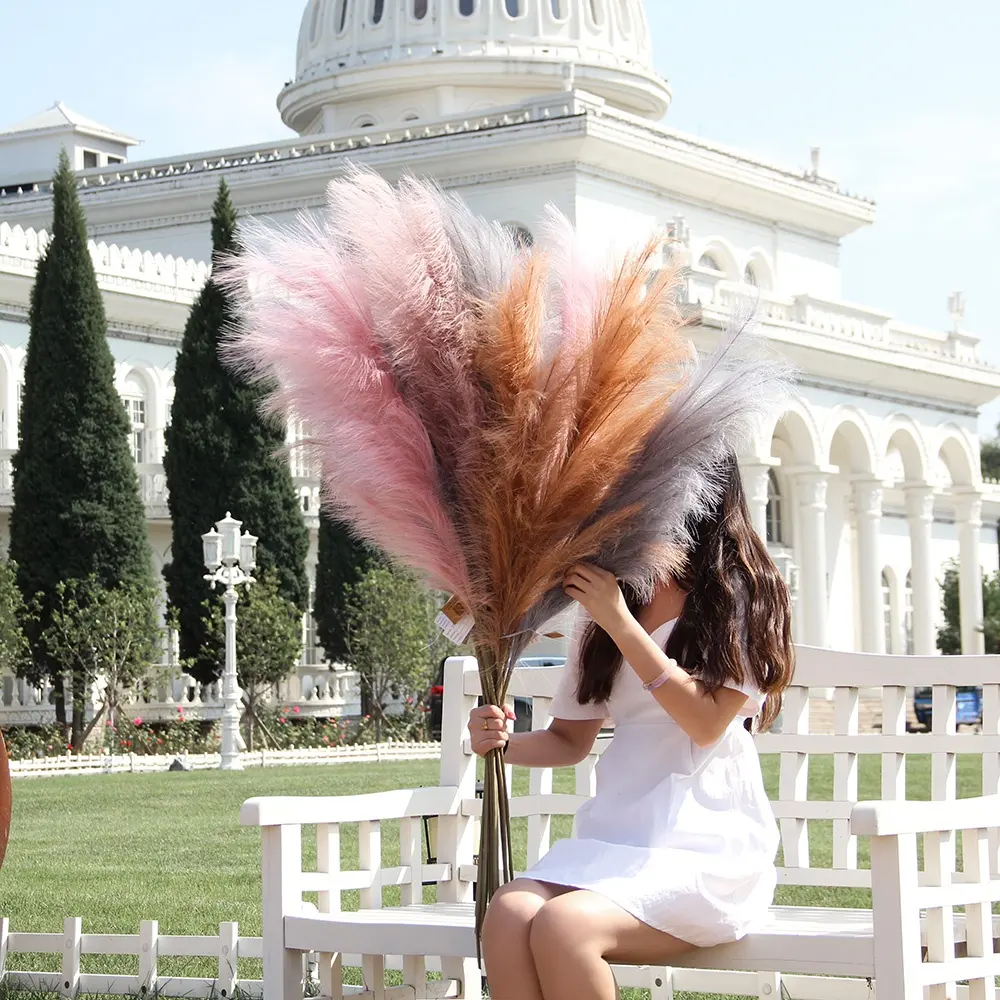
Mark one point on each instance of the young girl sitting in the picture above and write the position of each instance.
(676, 850)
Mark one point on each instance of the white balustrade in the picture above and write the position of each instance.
(315, 691)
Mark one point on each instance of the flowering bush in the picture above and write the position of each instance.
(36, 741)
(282, 728)
(412, 724)
(285, 728)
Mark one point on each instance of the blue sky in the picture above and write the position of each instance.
(902, 96)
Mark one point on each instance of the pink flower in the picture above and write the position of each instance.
(296, 709)
(108, 723)
(138, 721)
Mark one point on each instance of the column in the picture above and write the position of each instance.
(755, 485)
(968, 516)
(920, 516)
(811, 555)
(868, 517)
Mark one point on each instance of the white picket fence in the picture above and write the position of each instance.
(46, 767)
(148, 947)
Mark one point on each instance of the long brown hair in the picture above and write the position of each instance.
(736, 622)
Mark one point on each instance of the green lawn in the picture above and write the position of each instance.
(117, 849)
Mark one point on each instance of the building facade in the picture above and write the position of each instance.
(865, 488)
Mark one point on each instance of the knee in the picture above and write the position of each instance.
(510, 914)
(560, 928)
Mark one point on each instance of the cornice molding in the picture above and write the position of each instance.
(16, 313)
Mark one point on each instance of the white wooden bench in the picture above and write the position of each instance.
(912, 942)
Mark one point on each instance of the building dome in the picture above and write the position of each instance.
(380, 63)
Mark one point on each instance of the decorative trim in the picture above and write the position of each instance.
(119, 331)
(831, 385)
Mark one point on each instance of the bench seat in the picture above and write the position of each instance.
(793, 940)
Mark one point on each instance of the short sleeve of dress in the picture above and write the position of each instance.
(755, 698)
(564, 703)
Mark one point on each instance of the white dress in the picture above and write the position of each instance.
(680, 836)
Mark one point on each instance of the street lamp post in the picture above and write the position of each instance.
(230, 558)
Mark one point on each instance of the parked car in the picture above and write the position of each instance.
(968, 706)
(522, 706)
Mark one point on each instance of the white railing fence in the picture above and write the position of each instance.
(317, 692)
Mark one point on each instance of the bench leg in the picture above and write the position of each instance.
(415, 974)
(282, 973)
(331, 976)
(467, 972)
(373, 973)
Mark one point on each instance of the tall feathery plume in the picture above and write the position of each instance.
(486, 414)
(674, 479)
(307, 330)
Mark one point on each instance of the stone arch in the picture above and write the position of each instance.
(849, 442)
(758, 263)
(719, 250)
(958, 457)
(796, 429)
(137, 387)
(901, 433)
(10, 373)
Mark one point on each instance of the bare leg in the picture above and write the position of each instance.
(510, 967)
(575, 935)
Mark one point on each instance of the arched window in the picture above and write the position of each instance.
(467, 7)
(365, 121)
(597, 12)
(378, 9)
(515, 8)
(520, 233)
(411, 116)
(908, 613)
(558, 9)
(709, 262)
(775, 511)
(749, 276)
(419, 9)
(887, 611)
(301, 456)
(340, 16)
(134, 398)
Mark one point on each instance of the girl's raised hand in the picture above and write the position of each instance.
(488, 728)
(598, 592)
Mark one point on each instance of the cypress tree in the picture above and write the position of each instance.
(222, 455)
(341, 561)
(77, 511)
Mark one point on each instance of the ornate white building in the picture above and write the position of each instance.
(864, 488)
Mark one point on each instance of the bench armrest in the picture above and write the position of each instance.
(282, 810)
(884, 819)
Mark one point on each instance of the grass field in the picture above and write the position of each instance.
(118, 849)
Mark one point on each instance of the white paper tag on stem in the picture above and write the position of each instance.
(455, 621)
